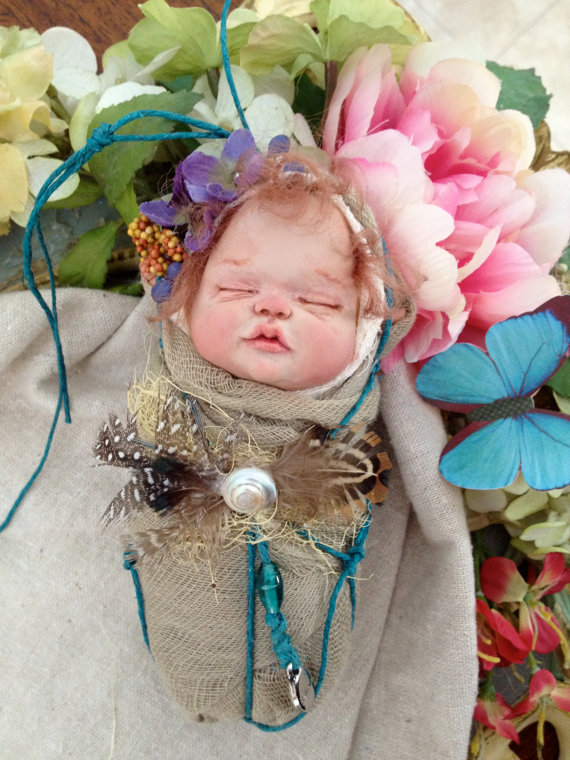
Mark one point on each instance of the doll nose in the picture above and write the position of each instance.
(272, 305)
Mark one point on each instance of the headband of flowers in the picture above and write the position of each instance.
(218, 183)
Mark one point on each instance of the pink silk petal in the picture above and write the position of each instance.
(501, 581)
(518, 298)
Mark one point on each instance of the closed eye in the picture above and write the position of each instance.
(320, 303)
(236, 291)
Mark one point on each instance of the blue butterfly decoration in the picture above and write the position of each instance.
(505, 433)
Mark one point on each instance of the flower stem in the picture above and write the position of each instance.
(331, 76)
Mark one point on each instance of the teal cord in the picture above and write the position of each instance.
(227, 64)
(350, 561)
(250, 629)
(376, 365)
(102, 136)
(38, 469)
(129, 563)
(277, 624)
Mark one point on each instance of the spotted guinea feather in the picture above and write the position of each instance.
(176, 476)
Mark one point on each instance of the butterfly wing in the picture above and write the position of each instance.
(484, 455)
(463, 376)
(545, 449)
(527, 350)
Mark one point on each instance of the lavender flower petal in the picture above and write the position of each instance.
(161, 290)
(279, 144)
(197, 168)
(159, 212)
(197, 243)
(237, 143)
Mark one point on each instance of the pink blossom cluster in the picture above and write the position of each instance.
(471, 228)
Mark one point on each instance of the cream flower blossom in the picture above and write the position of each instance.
(26, 123)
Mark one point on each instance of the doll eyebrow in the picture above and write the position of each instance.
(233, 262)
(328, 277)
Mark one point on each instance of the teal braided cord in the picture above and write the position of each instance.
(251, 550)
(227, 64)
(280, 639)
(129, 564)
(350, 560)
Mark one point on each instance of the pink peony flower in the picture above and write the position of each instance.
(473, 231)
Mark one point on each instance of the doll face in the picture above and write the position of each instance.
(277, 303)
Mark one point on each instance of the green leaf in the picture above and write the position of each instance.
(127, 204)
(86, 192)
(278, 40)
(560, 381)
(565, 258)
(378, 14)
(238, 37)
(375, 14)
(345, 35)
(192, 30)
(309, 100)
(129, 289)
(184, 82)
(563, 402)
(320, 8)
(115, 166)
(521, 90)
(562, 598)
(85, 265)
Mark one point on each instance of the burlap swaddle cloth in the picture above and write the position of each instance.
(197, 611)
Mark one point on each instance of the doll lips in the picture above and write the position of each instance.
(268, 338)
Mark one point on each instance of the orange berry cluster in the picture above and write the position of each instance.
(157, 247)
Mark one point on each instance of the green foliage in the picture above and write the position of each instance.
(128, 289)
(343, 26)
(192, 30)
(521, 90)
(560, 381)
(375, 15)
(309, 100)
(127, 204)
(184, 82)
(115, 167)
(85, 265)
(86, 192)
(278, 40)
(565, 258)
(345, 35)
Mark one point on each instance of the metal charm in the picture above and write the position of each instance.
(300, 688)
(248, 489)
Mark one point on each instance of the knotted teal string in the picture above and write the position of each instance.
(282, 646)
(227, 64)
(350, 561)
(375, 369)
(129, 563)
(102, 136)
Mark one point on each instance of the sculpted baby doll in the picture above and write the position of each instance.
(255, 472)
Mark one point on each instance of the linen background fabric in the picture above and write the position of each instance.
(76, 680)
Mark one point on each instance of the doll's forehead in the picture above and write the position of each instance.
(316, 232)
